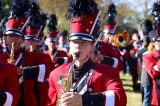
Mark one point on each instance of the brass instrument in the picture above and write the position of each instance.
(11, 56)
(66, 82)
(30, 48)
(121, 39)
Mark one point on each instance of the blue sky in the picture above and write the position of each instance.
(139, 4)
(136, 4)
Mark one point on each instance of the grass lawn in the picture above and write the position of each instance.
(133, 98)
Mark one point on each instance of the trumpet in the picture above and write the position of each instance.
(66, 82)
(121, 39)
(11, 56)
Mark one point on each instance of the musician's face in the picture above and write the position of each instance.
(29, 43)
(84, 47)
(18, 40)
(157, 45)
(51, 45)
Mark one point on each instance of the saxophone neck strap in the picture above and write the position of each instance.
(81, 85)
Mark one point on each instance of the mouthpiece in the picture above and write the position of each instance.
(76, 55)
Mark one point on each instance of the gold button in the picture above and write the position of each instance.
(90, 89)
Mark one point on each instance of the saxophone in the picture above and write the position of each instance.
(30, 48)
(11, 56)
(66, 82)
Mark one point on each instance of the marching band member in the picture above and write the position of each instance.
(108, 53)
(32, 67)
(94, 84)
(145, 79)
(33, 35)
(63, 44)
(9, 87)
(58, 56)
(151, 59)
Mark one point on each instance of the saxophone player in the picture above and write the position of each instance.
(33, 68)
(93, 84)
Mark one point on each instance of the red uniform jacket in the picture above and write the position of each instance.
(107, 49)
(35, 82)
(9, 85)
(104, 79)
(151, 63)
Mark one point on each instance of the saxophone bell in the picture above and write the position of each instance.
(30, 48)
(11, 56)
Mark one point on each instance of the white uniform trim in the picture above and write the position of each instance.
(4, 50)
(83, 90)
(115, 64)
(21, 79)
(59, 34)
(65, 59)
(19, 58)
(85, 87)
(9, 99)
(65, 49)
(110, 98)
(156, 68)
(95, 22)
(106, 31)
(42, 71)
(123, 51)
(146, 52)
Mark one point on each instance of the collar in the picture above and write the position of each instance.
(79, 73)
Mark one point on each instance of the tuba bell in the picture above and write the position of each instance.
(121, 39)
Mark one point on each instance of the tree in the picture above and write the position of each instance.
(127, 15)
(59, 7)
(5, 7)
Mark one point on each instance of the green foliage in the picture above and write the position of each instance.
(127, 17)
(59, 7)
(5, 6)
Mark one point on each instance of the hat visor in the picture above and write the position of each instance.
(14, 31)
(158, 39)
(53, 40)
(81, 37)
(31, 37)
(108, 31)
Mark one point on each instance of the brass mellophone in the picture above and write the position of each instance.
(121, 39)
(66, 82)
(11, 56)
